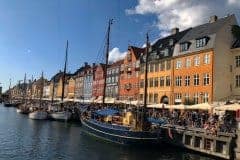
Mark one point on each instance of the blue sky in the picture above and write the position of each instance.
(33, 34)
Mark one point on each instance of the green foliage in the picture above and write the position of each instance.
(236, 31)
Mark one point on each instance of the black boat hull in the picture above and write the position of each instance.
(124, 137)
(8, 105)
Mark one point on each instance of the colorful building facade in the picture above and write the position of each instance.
(113, 77)
(129, 75)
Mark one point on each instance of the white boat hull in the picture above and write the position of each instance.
(61, 116)
(38, 115)
(19, 110)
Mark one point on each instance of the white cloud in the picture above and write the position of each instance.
(115, 55)
(184, 13)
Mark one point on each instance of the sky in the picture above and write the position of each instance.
(33, 34)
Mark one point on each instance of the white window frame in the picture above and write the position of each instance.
(188, 62)
(178, 64)
(196, 61)
(206, 59)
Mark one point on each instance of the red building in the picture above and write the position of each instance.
(129, 74)
(98, 82)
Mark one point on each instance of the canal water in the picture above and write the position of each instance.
(25, 139)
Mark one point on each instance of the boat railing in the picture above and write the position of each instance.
(113, 126)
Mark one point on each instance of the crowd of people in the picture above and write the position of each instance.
(211, 123)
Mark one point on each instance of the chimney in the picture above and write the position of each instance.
(85, 64)
(213, 19)
(94, 64)
(174, 30)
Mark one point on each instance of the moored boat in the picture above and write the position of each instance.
(38, 115)
(104, 127)
(60, 115)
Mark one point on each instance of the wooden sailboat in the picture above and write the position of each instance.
(22, 108)
(39, 113)
(126, 130)
(61, 114)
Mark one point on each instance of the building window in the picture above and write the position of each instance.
(195, 98)
(161, 81)
(168, 81)
(205, 98)
(187, 80)
(184, 46)
(206, 79)
(237, 80)
(162, 66)
(141, 97)
(178, 64)
(178, 81)
(168, 65)
(196, 79)
(196, 61)
(155, 82)
(156, 67)
(201, 42)
(155, 98)
(178, 96)
(151, 82)
(188, 62)
(187, 97)
(150, 100)
(237, 59)
(206, 59)
(141, 83)
(151, 67)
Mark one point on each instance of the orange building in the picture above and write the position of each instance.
(129, 75)
(202, 63)
(193, 75)
(160, 69)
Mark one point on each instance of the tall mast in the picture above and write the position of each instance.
(146, 84)
(41, 93)
(24, 88)
(53, 90)
(31, 88)
(64, 72)
(107, 55)
(10, 95)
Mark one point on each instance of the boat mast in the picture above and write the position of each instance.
(146, 84)
(10, 95)
(31, 85)
(24, 88)
(53, 90)
(64, 73)
(41, 93)
(107, 55)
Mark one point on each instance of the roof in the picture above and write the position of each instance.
(205, 29)
(163, 45)
(136, 51)
(209, 31)
(59, 75)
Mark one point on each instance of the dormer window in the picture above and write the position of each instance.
(171, 42)
(201, 42)
(184, 46)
